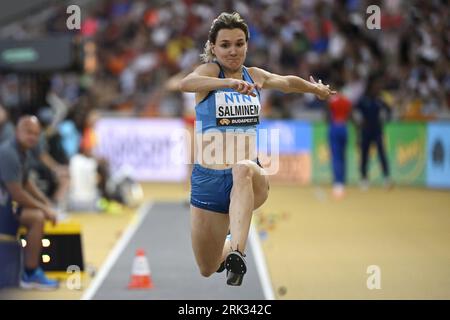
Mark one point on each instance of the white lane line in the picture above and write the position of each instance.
(261, 265)
(117, 251)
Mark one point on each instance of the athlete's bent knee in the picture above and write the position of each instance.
(242, 171)
(37, 217)
(206, 271)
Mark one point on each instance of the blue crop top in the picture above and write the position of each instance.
(225, 109)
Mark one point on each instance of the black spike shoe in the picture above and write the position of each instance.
(221, 267)
(236, 268)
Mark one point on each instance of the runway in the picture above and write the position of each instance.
(164, 234)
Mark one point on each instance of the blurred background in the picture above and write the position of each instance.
(106, 95)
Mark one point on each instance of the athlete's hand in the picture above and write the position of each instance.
(244, 87)
(50, 215)
(322, 91)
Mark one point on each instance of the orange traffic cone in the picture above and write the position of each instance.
(141, 277)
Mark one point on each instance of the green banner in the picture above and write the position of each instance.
(405, 148)
(320, 154)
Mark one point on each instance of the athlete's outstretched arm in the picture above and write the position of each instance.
(204, 79)
(293, 84)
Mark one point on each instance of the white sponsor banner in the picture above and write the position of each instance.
(151, 149)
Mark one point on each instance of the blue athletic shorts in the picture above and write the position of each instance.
(210, 189)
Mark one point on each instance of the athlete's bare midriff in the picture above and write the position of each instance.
(221, 150)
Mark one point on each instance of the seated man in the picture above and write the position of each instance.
(21, 198)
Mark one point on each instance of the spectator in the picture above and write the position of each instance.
(22, 199)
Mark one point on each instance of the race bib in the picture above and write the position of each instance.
(235, 109)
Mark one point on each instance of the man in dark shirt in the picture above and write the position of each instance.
(23, 202)
(370, 108)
